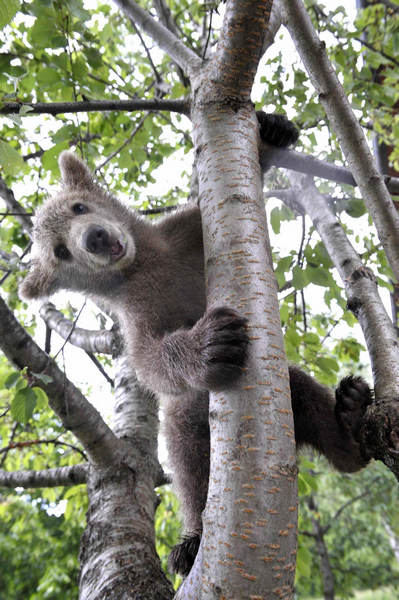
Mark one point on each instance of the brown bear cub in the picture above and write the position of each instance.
(151, 274)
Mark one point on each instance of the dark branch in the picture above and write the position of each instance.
(55, 108)
(48, 478)
(28, 443)
(12, 204)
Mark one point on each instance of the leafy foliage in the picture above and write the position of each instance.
(38, 551)
(69, 51)
(358, 540)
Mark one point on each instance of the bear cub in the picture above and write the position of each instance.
(151, 274)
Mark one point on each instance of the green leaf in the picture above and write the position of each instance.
(12, 379)
(310, 480)
(41, 397)
(356, 208)
(48, 77)
(328, 364)
(318, 276)
(23, 405)
(304, 489)
(10, 160)
(93, 57)
(304, 561)
(50, 157)
(275, 220)
(8, 9)
(44, 34)
(299, 278)
(45, 378)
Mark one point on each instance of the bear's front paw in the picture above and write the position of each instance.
(223, 343)
(353, 396)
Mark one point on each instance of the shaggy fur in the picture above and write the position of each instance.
(151, 276)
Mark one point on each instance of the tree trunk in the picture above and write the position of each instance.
(249, 540)
(118, 557)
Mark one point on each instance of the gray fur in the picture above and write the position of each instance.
(151, 275)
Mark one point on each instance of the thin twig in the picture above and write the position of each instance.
(72, 330)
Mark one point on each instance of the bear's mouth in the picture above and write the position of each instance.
(117, 250)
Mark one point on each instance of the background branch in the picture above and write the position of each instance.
(381, 423)
(166, 40)
(101, 341)
(303, 163)
(47, 478)
(350, 135)
(55, 108)
(75, 412)
(13, 205)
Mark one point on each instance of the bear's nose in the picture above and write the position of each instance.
(96, 239)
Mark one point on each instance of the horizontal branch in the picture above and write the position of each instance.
(302, 163)
(92, 341)
(47, 478)
(55, 108)
(14, 207)
(37, 442)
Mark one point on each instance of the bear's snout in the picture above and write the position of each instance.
(96, 240)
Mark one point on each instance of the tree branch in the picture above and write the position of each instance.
(13, 205)
(354, 145)
(378, 330)
(297, 161)
(101, 342)
(47, 478)
(240, 47)
(75, 412)
(360, 286)
(55, 108)
(165, 16)
(90, 341)
(28, 443)
(239, 273)
(165, 39)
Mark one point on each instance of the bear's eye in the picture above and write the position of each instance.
(80, 209)
(62, 252)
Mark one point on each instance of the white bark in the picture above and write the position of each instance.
(75, 412)
(249, 538)
(380, 427)
(360, 285)
(303, 163)
(91, 341)
(166, 40)
(343, 121)
(118, 557)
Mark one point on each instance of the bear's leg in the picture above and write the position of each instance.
(330, 425)
(187, 437)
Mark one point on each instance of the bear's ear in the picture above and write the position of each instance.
(36, 284)
(74, 172)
